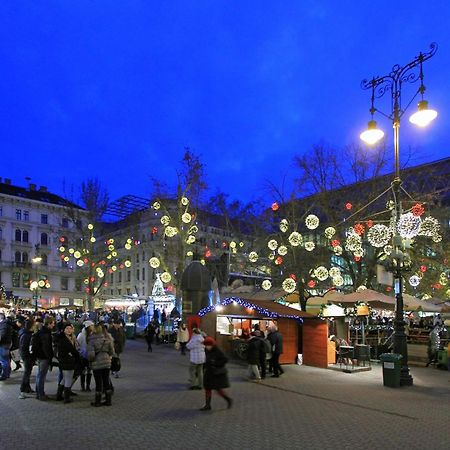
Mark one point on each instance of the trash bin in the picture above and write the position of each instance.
(129, 330)
(391, 369)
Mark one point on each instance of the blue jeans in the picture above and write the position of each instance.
(5, 367)
(43, 366)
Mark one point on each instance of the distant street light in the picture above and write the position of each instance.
(393, 83)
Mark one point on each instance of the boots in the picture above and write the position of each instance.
(59, 392)
(98, 399)
(108, 395)
(207, 405)
(83, 382)
(18, 366)
(88, 382)
(67, 398)
(229, 401)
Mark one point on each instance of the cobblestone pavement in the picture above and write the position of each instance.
(305, 408)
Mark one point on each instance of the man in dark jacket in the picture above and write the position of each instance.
(25, 334)
(5, 345)
(253, 357)
(118, 334)
(43, 352)
(276, 339)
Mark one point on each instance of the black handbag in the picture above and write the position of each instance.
(115, 364)
(219, 370)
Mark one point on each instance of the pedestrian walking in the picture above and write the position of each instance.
(5, 345)
(215, 375)
(183, 338)
(100, 351)
(149, 334)
(254, 357)
(276, 339)
(197, 359)
(28, 359)
(119, 337)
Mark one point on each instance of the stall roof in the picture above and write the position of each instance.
(265, 308)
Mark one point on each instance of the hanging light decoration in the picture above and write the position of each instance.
(388, 249)
(90, 226)
(166, 277)
(272, 244)
(334, 272)
(353, 242)
(414, 281)
(165, 220)
(321, 273)
(282, 250)
(310, 246)
(156, 205)
(253, 257)
(338, 281)
(295, 239)
(170, 231)
(184, 201)
(359, 229)
(186, 217)
(338, 250)
(330, 232)
(154, 262)
(408, 225)
(190, 239)
(284, 225)
(289, 285)
(379, 235)
(429, 226)
(266, 285)
(312, 222)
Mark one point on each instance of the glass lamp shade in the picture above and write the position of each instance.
(34, 285)
(373, 134)
(424, 115)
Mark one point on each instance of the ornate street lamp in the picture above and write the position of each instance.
(393, 82)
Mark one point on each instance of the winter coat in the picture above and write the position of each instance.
(254, 350)
(196, 349)
(45, 349)
(81, 338)
(276, 339)
(100, 350)
(5, 333)
(183, 335)
(67, 353)
(119, 337)
(215, 360)
(24, 344)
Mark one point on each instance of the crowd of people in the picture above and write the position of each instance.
(48, 340)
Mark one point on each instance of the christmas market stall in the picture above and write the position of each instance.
(232, 321)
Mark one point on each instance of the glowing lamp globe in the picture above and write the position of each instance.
(373, 134)
(34, 285)
(424, 116)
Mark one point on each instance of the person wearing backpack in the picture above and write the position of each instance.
(42, 348)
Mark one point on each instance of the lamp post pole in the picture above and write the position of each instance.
(393, 83)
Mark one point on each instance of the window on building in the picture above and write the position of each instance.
(24, 236)
(24, 257)
(26, 216)
(44, 239)
(128, 275)
(44, 219)
(128, 291)
(112, 291)
(78, 284)
(120, 277)
(0, 256)
(44, 260)
(143, 274)
(143, 290)
(112, 277)
(137, 257)
(16, 279)
(18, 257)
(64, 283)
(26, 280)
(137, 274)
(65, 222)
(18, 236)
(119, 291)
(18, 214)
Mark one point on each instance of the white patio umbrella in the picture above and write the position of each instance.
(412, 303)
(369, 296)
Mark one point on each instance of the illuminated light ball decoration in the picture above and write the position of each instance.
(271, 256)
(338, 281)
(414, 281)
(295, 239)
(194, 229)
(312, 222)
(321, 273)
(311, 284)
(443, 279)
(92, 239)
(156, 205)
(348, 206)
(334, 272)
(388, 249)
(80, 263)
(250, 306)
(232, 244)
(170, 231)
(128, 246)
(154, 230)
(282, 250)
(361, 288)
(310, 246)
(359, 229)
(390, 205)
(278, 260)
(330, 232)
(190, 253)
(429, 227)
(423, 269)
(284, 225)
(379, 235)
(184, 201)
(275, 206)
(253, 257)
(369, 223)
(408, 225)
(190, 239)
(418, 209)
(165, 220)
(353, 242)
(338, 250)
(154, 262)
(186, 217)
(90, 226)
(359, 252)
(127, 263)
(272, 244)
(166, 277)
(289, 285)
(241, 244)
(436, 238)
(266, 285)
(335, 243)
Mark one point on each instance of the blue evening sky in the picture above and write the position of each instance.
(117, 88)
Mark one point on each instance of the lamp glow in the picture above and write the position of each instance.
(373, 134)
(424, 116)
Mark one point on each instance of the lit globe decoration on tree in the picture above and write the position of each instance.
(379, 235)
(338, 281)
(312, 222)
(310, 246)
(282, 250)
(321, 273)
(429, 227)
(156, 205)
(284, 225)
(408, 225)
(353, 241)
(184, 201)
(190, 239)
(338, 250)
(166, 277)
(253, 257)
(330, 232)
(266, 285)
(170, 231)
(414, 280)
(295, 239)
(272, 244)
(289, 285)
(165, 220)
(186, 217)
(388, 249)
